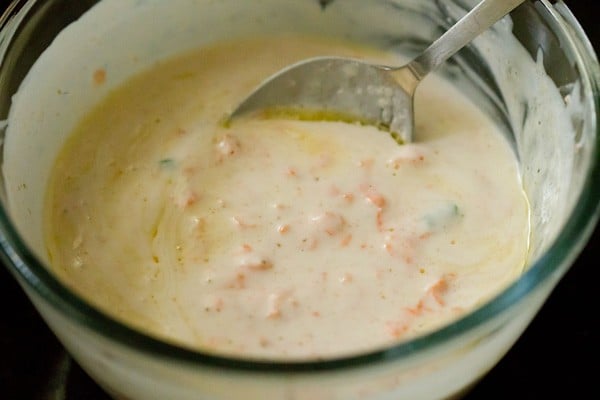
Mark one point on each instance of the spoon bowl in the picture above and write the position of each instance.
(345, 89)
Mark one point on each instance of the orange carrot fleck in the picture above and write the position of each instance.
(377, 199)
(346, 240)
(330, 222)
(419, 308)
(425, 235)
(389, 248)
(347, 278)
(334, 190)
(291, 172)
(397, 329)
(262, 265)
(348, 197)
(99, 76)
(239, 282)
(379, 220)
(438, 289)
(366, 163)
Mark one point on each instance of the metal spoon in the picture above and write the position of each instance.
(353, 90)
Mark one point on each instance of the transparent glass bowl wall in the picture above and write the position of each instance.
(132, 365)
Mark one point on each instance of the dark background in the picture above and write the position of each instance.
(557, 356)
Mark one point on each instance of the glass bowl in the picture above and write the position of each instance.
(129, 364)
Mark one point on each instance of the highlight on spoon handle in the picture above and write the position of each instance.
(479, 19)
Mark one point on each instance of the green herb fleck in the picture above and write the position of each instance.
(167, 163)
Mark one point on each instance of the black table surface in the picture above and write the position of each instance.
(556, 357)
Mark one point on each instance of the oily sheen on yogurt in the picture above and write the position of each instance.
(277, 238)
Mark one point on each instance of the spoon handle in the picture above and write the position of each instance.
(480, 18)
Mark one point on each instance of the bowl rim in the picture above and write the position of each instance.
(31, 273)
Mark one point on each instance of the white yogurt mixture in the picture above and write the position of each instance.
(276, 238)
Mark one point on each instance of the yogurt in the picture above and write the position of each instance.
(276, 238)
